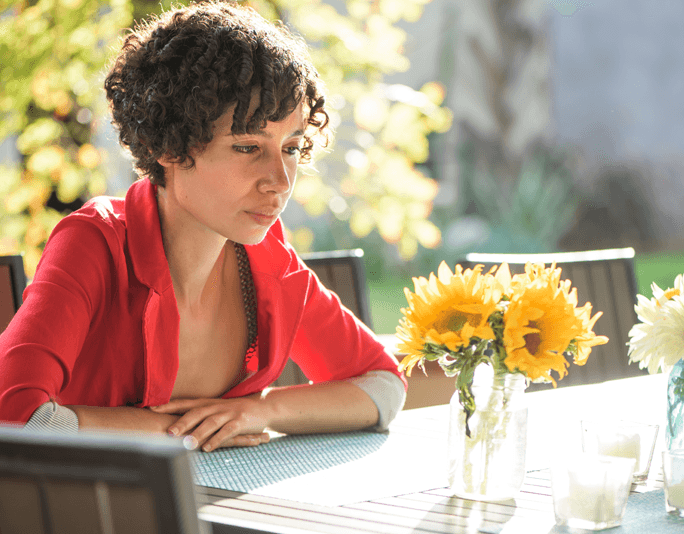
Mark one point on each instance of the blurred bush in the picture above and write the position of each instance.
(51, 101)
(53, 52)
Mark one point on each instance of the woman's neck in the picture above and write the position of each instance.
(194, 252)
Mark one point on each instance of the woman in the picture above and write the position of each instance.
(174, 309)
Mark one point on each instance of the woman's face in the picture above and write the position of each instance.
(240, 183)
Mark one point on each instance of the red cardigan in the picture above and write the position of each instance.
(99, 323)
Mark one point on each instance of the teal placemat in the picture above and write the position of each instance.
(248, 468)
(645, 514)
(328, 469)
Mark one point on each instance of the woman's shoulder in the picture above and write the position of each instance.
(103, 211)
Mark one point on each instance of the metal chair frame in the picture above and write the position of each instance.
(17, 277)
(13, 283)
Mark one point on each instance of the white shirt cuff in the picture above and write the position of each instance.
(51, 417)
(387, 392)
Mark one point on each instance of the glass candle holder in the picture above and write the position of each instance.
(623, 439)
(673, 478)
(591, 491)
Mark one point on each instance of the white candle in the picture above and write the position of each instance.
(623, 444)
(675, 495)
(590, 501)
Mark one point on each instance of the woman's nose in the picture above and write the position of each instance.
(278, 177)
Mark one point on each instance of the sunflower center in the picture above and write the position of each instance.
(533, 340)
(453, 321)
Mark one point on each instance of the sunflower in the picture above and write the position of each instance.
(587, 339)
(448, 309)
(539, 323)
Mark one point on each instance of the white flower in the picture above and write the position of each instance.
(663, 296)
(643, 343)
(669, 331)
(658, 341)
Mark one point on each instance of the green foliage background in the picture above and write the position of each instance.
(54, 56)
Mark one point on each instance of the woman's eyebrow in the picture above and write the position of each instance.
(263, 133)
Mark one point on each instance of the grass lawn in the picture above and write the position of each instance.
(661, 268)
(387, 296)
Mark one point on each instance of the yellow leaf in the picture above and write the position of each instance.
(19, 199)
(390, 219)
(316, 206)
(31, 259)
(362, 222)
(306, 187)
(427, 233)
(39, 134)
(359, 9)
(88, 156)
(35, 234)
(408, 247)
(46, 160)
(70, 185)
(302, 239)
(370, 112)
(13, 227)
(97, 184)
(10, 177)
(435, 92)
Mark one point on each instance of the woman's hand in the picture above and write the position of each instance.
(214, 423)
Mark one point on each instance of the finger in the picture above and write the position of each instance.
(189, 420)
(242, 440)
(221, 424)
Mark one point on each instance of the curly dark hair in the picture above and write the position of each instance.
(178, 73)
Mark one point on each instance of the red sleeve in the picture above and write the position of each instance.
(39, 347)
(331, 343)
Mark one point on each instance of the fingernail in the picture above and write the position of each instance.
(173, 431)
(190, 443)
(206, 448)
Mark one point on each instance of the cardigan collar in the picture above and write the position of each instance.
(144, 236)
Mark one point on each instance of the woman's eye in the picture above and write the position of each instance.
(245, 149)
(292, 150)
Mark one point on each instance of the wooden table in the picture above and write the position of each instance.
(553, 430)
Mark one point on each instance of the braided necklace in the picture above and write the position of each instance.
(248, 298)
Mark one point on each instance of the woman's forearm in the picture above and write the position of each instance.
(122, 418)
(323, 407)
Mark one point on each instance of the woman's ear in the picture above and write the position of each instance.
(165, 161)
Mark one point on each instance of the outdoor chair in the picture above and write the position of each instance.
(12, 285)
(104, 483)
(342, 272)
(606, 279)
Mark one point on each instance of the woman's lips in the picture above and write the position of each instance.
(262, 218)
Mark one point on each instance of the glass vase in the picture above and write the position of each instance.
(490, 464)
(675, 407)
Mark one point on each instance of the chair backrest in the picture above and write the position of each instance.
(12, 285)
(343, 272)
(95, 482)
(606, 279)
